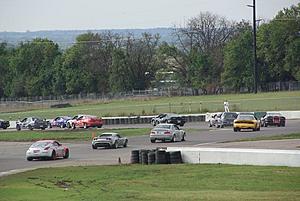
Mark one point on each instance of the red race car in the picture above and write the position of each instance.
(85, 121)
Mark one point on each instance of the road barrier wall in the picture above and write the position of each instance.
(234, 156)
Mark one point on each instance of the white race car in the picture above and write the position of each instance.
(167, 132)
(50, 149)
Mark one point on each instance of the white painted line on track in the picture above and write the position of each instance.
(205, 144)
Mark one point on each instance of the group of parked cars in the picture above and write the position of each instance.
(247, 120)
(78, 121)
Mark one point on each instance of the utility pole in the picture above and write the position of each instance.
(254, 47)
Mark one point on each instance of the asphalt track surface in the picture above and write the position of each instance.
(12, 154)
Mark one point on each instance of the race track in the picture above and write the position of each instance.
(12, 154)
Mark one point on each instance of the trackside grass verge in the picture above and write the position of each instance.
(184, 105)
(276, 137)
(27, 135)
(155, 182)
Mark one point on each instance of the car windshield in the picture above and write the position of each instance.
(230, 115)
(40, 144)
(163, 126)
(105, 135)
(274, 114)
(246, 117)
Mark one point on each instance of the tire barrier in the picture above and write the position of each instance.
(144, 157)
(175, 157)
(156, 156)
(151, 157)
(135, 156)
(147, 119)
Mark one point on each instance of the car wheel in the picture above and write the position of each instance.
(53, 155)
(18, 127)
(100, 126)
(183, 137)
(210, 125)
(73, 126)
(29, 158)
(43, 128)
(115, 145)
(152, 141)
(153, 123)
(30, 127)
(94, 147)
(85, 126)
(67, 153)
(69, 125)
(125, 144)
(62, 125)
(258, 129)
(235, 129)
(254, 129)
(173, 139)
(4, 127)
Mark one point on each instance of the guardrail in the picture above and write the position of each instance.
(236, 156)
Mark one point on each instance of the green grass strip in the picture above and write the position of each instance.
(154, 183)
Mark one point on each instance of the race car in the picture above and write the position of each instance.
(110, 140)
(84, 121)
(47, 149)
(246, 122)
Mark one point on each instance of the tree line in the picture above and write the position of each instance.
(210, 52)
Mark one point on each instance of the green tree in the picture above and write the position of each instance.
(238, 62)
(31, 67)
(278, 45)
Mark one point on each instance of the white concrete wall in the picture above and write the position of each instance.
(266, 157)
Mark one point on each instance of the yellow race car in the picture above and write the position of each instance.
(246, 122)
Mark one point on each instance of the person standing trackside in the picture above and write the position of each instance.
(226, 106)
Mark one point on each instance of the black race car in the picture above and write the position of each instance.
(4, 124)
(168, 118)
(273, 119)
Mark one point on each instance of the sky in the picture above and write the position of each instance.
(36, 15)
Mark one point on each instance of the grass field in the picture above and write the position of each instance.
(155, 182)
(186, 104)
(66, 135)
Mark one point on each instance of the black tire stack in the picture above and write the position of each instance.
(135, 156)
(157, 156)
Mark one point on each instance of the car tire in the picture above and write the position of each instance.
(62, 126)
(100, 126)
(85, 126)
(53, 155)
(69, 125)
(18, 127)
(183, 138)
(94, 147)
(67, 153)
(115, 145)
(153, 141)
(235, 129)
(73, 126)
(173, 139)
(29, 158)
(30, 127)
(125, 144)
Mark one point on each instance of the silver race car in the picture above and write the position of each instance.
(48, 149)
(167, 132)
(110, 140)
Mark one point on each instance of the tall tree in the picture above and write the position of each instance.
(238, 62)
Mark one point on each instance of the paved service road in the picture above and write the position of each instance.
(12, 154)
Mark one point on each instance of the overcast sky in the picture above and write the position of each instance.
(34, 15)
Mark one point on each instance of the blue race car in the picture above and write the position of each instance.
(60, 121)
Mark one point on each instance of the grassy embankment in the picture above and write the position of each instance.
(155, 182)
(63, 135)
(185, 104)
